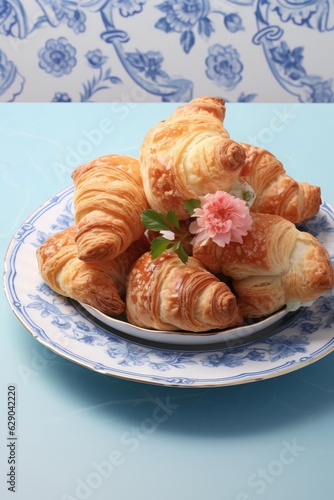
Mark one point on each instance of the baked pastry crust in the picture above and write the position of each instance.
(99, 284)
(189, 155)
(276, 265)
(166, 294)
(108, 202)
(276, 192)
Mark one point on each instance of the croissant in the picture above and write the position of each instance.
(166, 294)
(276, 192)
(189, 155)
(276, 265)
(108, 201)
(99, 284)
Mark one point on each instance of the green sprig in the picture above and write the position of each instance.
(173, 218)
(156, 221)
(159, 245)
(191, 204)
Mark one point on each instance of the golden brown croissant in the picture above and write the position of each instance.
(276, 192)
(99, 284)
(166, 294)
(275, 265)
(189, 155)
(108, 201)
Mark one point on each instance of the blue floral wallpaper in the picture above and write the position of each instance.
(166, 50)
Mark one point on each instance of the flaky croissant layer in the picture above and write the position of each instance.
(99, 284)
(275, 265)
(165, 294)
(189, 155)
(108, 201)
(276, 192)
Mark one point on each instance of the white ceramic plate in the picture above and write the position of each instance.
(230, 335)
(284, 343)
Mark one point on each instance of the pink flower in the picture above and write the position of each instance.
(223, 218)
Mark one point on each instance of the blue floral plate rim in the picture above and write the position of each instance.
(62, 326)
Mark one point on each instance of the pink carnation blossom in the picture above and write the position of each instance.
(222, 217)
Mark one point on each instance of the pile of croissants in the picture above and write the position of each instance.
(104, 259)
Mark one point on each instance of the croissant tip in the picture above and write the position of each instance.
(92, 247)
(234, 154)
(93, 254)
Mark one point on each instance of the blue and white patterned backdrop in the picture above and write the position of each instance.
(169, 50)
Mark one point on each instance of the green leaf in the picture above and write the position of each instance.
(191, 204)
(182, 254)
(154, 220)
(158, 246)
(173, 218)
(175, 246)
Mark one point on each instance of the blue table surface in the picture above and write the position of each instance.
(82, 435)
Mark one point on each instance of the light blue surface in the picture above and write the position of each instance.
(271, 439)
